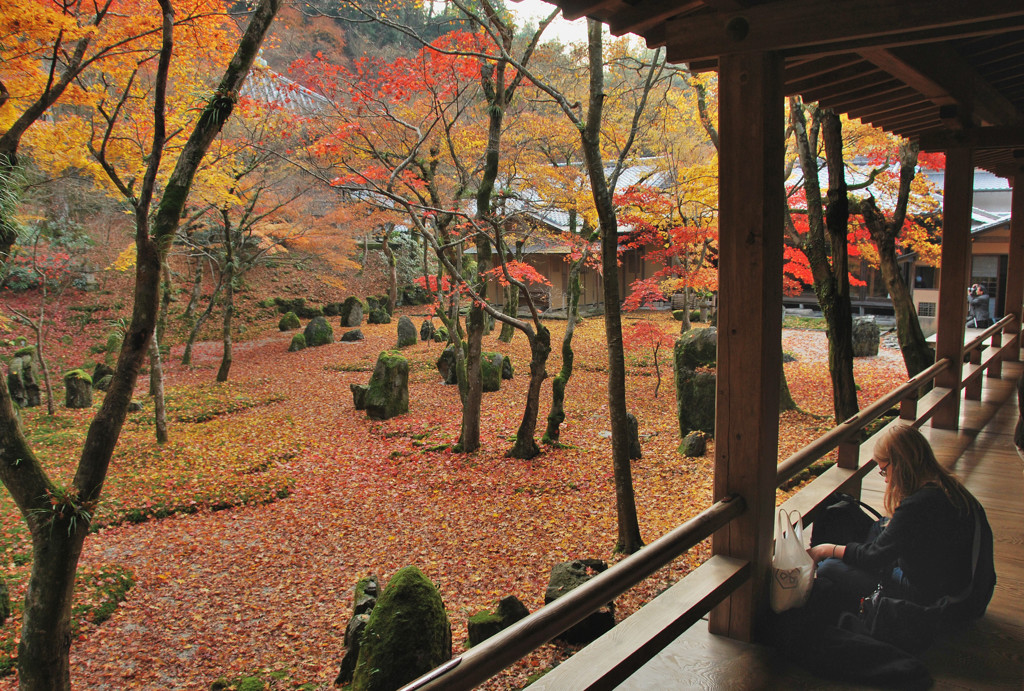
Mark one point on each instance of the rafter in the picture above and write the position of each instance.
(828, 26)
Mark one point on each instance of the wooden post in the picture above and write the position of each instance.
(957, 197)
(751, 208)
(1015, 262)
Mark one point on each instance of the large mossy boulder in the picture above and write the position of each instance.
(351, 312)
(77, 389)
(695, 355)
(568, 576)
(866, 335)
(318, 332)
(407, 635)
(377, 311)
(289, 322)
(387, 394)
(406, 332)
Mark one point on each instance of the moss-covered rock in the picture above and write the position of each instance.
(485, 624)
(441, 334)
(77, 389)
(406, 332)
(695, 400)
(408, 634)
(351, 313)
(26, 351)
(678, 315)
(490, 370)
(697, 348)
(318, 333)
(378, 315)
(387, 394)
(289, 322)
(298, 343)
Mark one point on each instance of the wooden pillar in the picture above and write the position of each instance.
(957, 197)
(1015, 262)
(751, 208)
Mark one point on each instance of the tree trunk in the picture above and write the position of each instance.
(829, 257)
(540, 347)
(511, 308)
(197, 290)
(470, 439)
(556, 417)
(392, 269)
(917, 354)
(59, 528)
(228, 275)
(629, 540)
(186, 357)
(229, 310)
(156, 371)
(156, 380)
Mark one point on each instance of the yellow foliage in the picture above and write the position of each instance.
(125, 260)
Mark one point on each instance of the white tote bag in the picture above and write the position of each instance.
(792, 567)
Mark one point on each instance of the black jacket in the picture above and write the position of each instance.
(932, 543)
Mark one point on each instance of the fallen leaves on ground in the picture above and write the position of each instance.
(265, 588)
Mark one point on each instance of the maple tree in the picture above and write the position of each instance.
(58, 516)
(826, 243)
(894, 230)
(643, 335)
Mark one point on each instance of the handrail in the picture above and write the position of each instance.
(846, 430)
(978, 340)
(502, 649)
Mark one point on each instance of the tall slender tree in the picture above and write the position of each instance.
(58, 516)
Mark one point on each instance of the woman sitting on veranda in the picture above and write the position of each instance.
(926, 551)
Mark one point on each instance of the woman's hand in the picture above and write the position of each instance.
(826, 551)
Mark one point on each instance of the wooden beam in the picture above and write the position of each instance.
(638, 19)
(831, 26)
(577, 9)
(1015, 260)
(752, 205)
(957, 197)
(943, 77)
(1010, 137)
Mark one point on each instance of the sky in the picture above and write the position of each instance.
(534, 10)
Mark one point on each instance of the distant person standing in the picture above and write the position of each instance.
(978, 314)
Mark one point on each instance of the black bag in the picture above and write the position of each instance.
(841, 519)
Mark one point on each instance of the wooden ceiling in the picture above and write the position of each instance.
(944, 72)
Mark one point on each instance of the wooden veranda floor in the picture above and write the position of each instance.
(989, 655)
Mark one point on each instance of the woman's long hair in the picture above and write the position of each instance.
(912, 465)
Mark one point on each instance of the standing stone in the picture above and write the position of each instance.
(572, 574)
(387, 394)
(23, 378)
(446, 365)
(490, 370)
(77, 389)
(695, 390)
(427, 330)
(408, 634)
(351, 312)
(318, 332)
(406, 332)
(865, 337)
(363, 602)
(507, 372)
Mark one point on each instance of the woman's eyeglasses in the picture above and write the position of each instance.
(883, 470)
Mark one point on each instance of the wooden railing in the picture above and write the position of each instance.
(494, 654)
